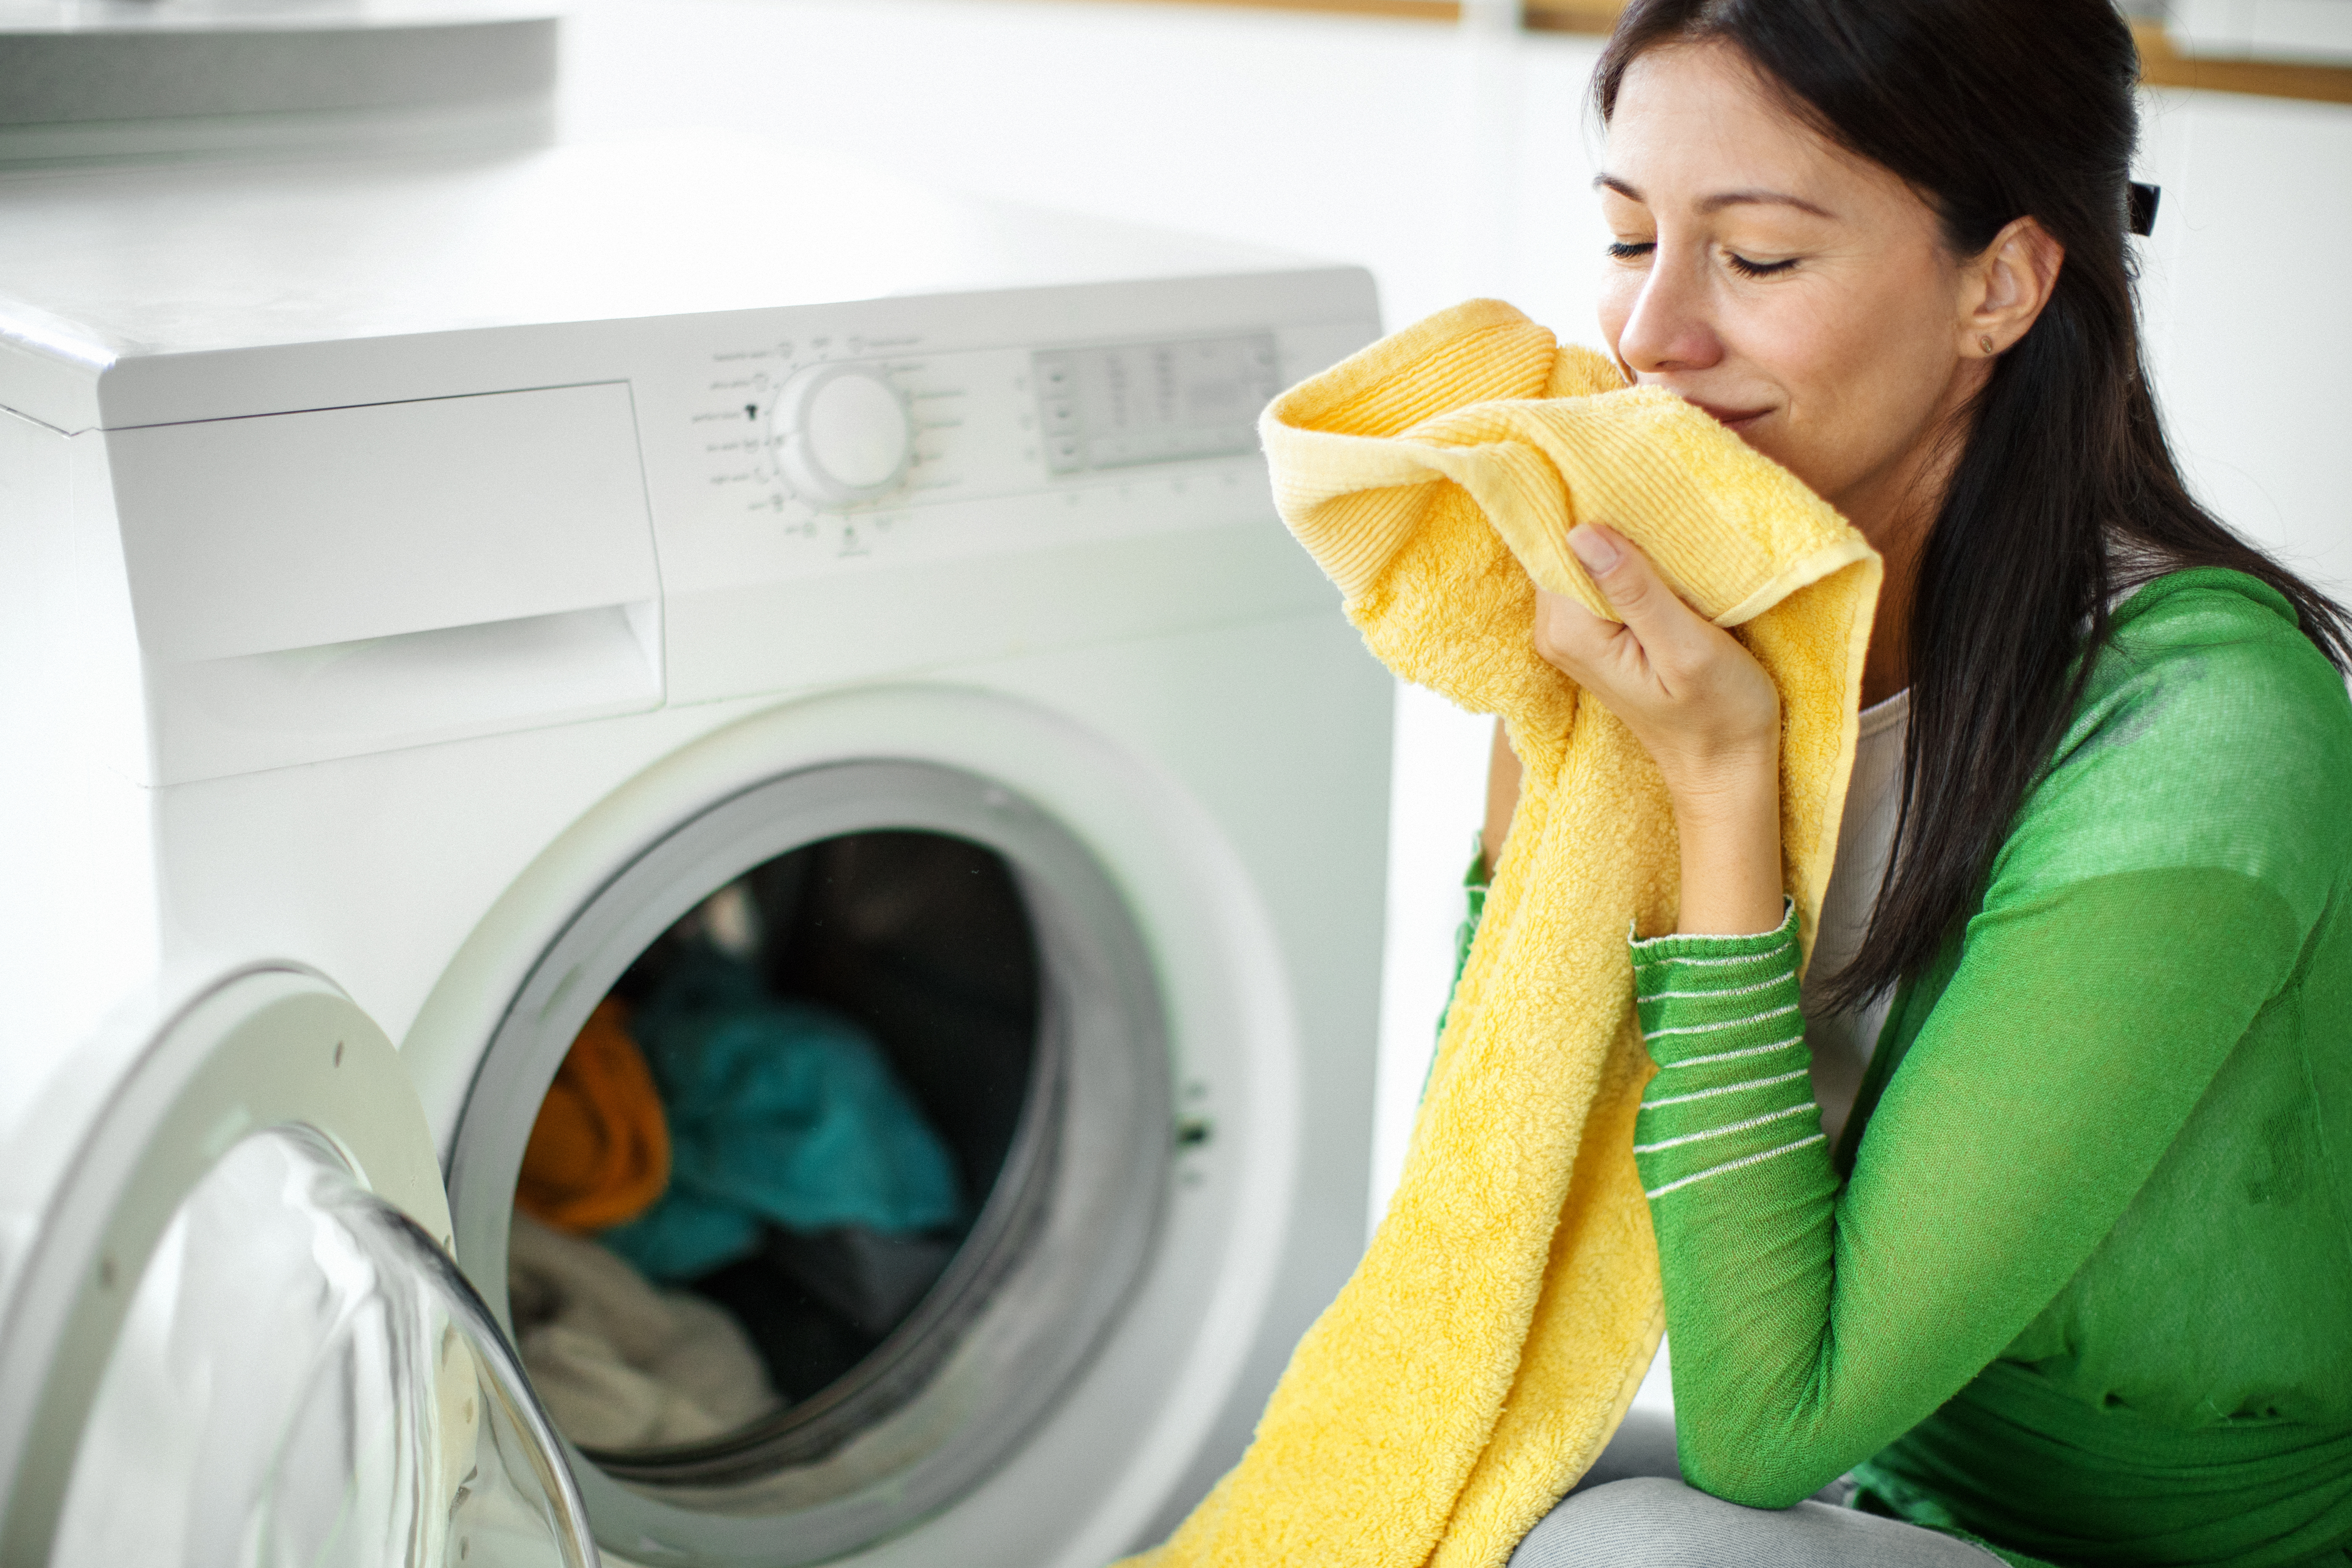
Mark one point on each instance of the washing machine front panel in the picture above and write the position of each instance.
(1058, 1418)
(233, 1324)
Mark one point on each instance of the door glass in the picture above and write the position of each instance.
(303, 1378)
(816, 1155)
(766, 1150)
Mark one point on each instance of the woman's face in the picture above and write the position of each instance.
(1802, 296)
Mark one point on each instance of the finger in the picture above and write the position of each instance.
(1665, 626)
(1572, 638)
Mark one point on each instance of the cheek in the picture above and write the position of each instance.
(1860, 378)
(1816, 348)
(1812, 358)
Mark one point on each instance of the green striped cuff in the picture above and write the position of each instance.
(1720, 1016)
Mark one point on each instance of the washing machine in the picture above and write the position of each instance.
(445, 598)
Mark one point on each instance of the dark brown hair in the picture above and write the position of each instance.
(2066, 489)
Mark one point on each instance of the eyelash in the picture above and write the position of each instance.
(1624, 250)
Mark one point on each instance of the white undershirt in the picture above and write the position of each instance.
(1843, 1042)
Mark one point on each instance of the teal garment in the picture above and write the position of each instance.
(780, 1112)
(2083, 1286)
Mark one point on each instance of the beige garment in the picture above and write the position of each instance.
(619, 1363)
(1843, 1042)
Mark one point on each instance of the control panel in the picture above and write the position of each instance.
(785, 446)
(1153, 402)
(840, 433)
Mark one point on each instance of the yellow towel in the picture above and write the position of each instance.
(1508, 1305)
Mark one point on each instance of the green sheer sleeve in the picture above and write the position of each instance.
(1475, 886)
(2163, 905)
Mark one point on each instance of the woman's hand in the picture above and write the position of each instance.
(1705, 711)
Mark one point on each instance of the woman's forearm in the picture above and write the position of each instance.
(1730, 827)
(1704, 709)
(1502, 797)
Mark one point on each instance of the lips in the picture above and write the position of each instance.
(1737, 420)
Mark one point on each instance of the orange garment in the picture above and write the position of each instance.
(599, 1152)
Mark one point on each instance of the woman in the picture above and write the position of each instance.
(2069, 1270)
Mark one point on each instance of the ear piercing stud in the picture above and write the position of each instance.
(1984, 342)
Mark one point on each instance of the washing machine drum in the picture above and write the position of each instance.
(814, 1158)
(233, 1334)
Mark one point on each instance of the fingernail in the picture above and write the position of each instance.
(1592, 547)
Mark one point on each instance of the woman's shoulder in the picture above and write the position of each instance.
(2198, 655)
(2206, 606)
(2211, 733)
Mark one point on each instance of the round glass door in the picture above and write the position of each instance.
(303, 1377)
(814, 1158)
(751, 1197)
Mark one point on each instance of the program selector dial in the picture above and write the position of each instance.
(842, 432)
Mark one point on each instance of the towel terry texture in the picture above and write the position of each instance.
(1508, 1305)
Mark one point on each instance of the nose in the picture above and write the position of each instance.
(1669, 329)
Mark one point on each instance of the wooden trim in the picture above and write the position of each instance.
(2161, 64)
(1590, 16)
(1448, 11)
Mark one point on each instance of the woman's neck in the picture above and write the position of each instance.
(1895, 512)
(1886, 668)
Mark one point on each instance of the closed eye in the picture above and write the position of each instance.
(1626, 250)
(1747, 268)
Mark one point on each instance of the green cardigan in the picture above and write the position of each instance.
(2079, 1283)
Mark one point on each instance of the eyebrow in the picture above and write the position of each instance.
(1724, 199)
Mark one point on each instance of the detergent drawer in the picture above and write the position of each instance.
(341, 581)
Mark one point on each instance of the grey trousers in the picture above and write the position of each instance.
(1633, 1510)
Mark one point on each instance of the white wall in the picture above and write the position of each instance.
(1454, 162)
(1327, 135)
(2250, 316)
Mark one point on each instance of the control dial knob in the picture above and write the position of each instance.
(842, 433)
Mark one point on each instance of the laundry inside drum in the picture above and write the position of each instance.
(784, 1159)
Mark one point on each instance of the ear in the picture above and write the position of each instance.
(2004, 288)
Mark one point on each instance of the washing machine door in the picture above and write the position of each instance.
(230, 1330)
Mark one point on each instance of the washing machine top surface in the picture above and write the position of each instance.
(103, 271)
